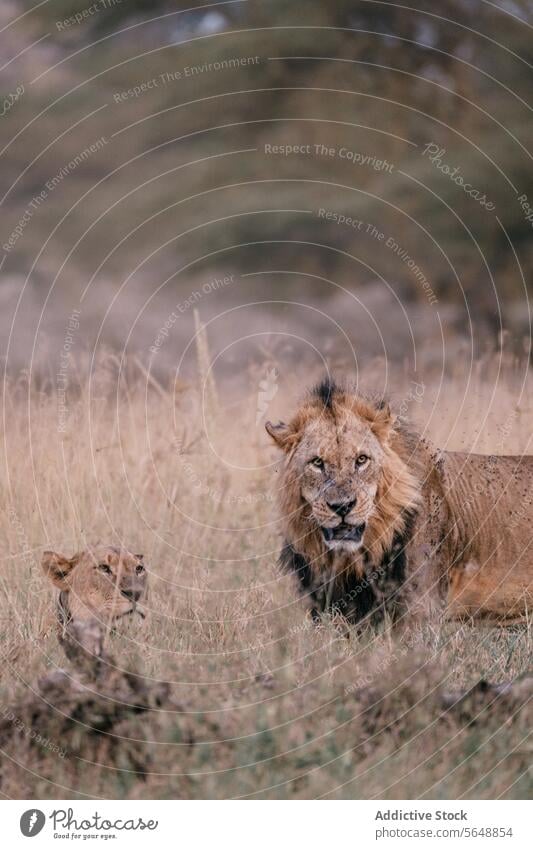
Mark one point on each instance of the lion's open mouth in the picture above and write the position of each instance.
(344, 533)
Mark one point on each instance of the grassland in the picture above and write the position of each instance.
(265, 704)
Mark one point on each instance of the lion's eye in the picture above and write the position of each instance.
(105, 568)
(362, 460)
(317, 462)
(139, 568)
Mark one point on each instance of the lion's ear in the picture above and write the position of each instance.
(383, 420)
(57, 568)
(282, 434)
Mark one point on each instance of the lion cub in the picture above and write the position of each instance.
(102, 582)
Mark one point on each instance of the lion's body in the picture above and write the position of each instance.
(489, 500)
(435, 531)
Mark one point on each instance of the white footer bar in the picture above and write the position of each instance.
(267, 825)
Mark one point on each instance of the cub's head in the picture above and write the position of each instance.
(344, 480)
(102, 582)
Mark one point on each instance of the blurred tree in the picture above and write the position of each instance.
(456, 73)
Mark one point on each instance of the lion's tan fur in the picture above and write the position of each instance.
(467, 548)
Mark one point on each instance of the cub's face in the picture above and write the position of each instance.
(338, 465)
(102, 582)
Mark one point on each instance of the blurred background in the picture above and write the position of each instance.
(325, 182)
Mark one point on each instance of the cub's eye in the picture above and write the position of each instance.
(362, 460)
(139, 568)
(317, 462)
(105, 568)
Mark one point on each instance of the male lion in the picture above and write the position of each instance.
(102, 582)
(376, 519)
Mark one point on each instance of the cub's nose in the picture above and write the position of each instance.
(133, 595)
(341, 508)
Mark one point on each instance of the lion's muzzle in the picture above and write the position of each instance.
(341, 508)
(131, 594)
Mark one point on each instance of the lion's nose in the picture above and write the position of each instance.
(341, 508)
(133, 595)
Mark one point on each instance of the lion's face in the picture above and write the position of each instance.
(338, 464)
(102, 582)
(344, 484)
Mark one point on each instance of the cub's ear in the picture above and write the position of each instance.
(282, 434)
(57, 568)
(383, 420)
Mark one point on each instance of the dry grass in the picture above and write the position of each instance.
(271, 707)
